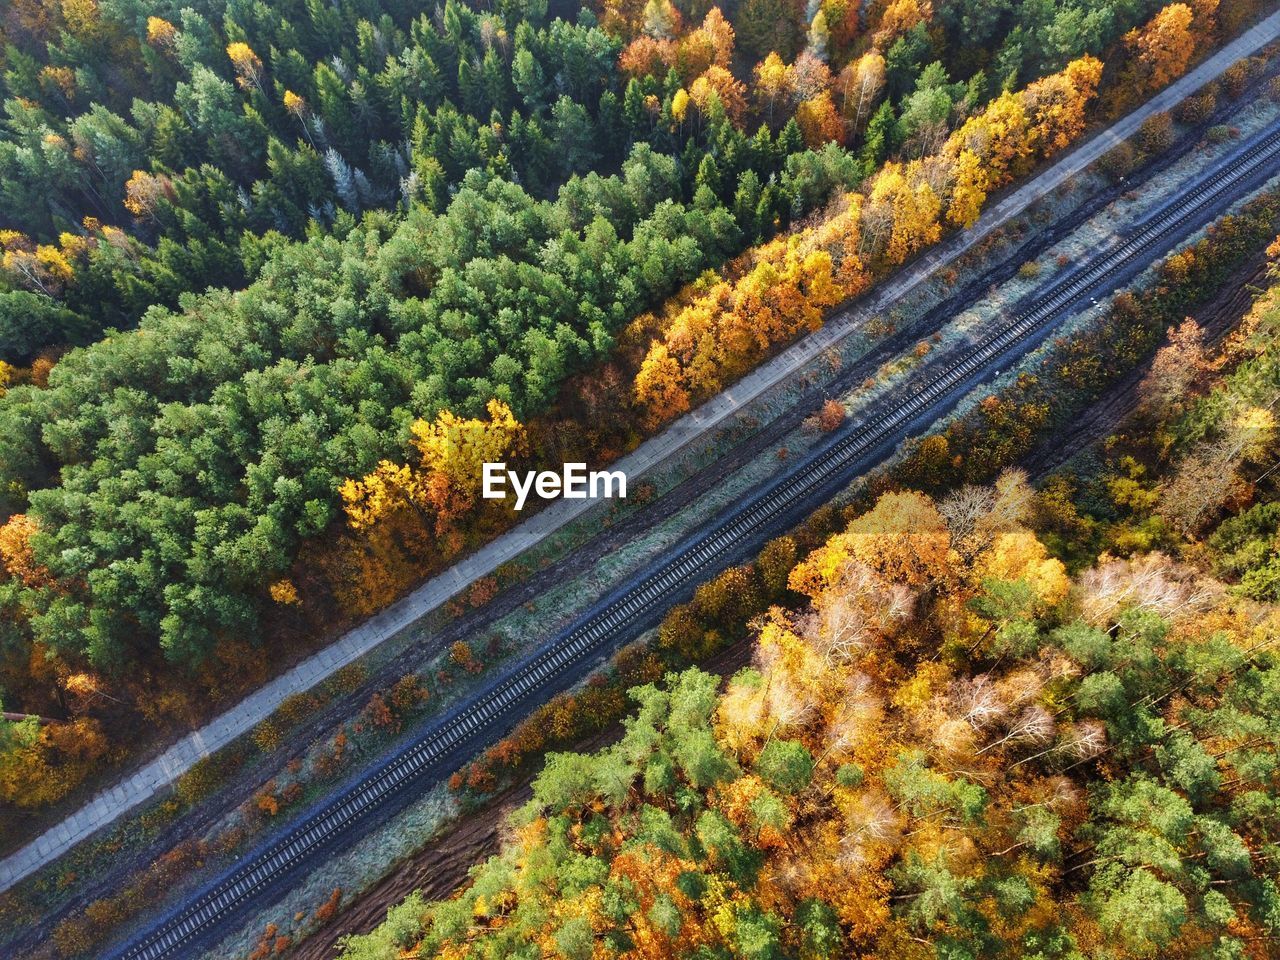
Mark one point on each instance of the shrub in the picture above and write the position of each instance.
(1156, 133)
(267, 736)
(460, 653)
(379, 713)
(831, 415)
(297, 707)
(329, 909)
(263, 948)
(1237, 76)
(160, 816)
(348, 680)
(266, 799)
(482, 591)
(480, 779)
(1119, 161)
(198, 782)
(1196, 109)
(72, 937)
(407, 693)
(104, 913)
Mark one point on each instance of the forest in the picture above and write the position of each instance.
(1010, 721)
(275, 274)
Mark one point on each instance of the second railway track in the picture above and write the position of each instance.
(777, 504)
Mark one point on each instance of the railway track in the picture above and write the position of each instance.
(378, 794)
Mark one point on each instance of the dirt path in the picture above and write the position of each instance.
(436, 872)
(1217, 318)
(441, 866)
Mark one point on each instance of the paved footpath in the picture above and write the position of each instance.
(155, 776)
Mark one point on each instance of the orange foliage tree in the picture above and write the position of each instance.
(718, 328)
(719, 82)
(1163, 46)
(16, 554)
(692, 54)
(720, 333)
(819, 121)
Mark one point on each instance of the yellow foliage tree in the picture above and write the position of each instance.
(284, 593)
(41, 765)
(772, 83)
(969, 192)
(400, 512)
(247, 64)
(1163, 46)
(83, 19)
(1018, 555)
(295, 104)
(161, 33)
(377, 495)
(454, 451)
(680, 105)
(900, 16)
(916, 209)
